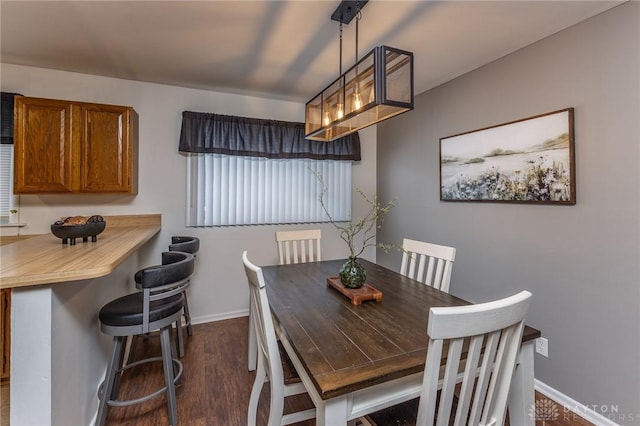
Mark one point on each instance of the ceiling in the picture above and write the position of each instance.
(278, 49)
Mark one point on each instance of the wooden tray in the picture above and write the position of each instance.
(356, 295)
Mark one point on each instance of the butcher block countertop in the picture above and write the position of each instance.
(45, 260)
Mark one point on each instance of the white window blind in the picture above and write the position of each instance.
(6, 179)
(228, 190)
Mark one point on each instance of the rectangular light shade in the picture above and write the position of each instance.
(378, 87)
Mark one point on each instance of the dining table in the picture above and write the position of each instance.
(355, 359)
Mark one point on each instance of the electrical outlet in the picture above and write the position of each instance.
(542, 347)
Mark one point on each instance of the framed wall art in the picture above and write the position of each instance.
(525, 161)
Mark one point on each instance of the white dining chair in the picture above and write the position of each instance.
(481, 344)
(299, 246)
(269, 368)
(493, 331)
(428, 263)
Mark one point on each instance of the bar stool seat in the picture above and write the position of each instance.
(155, 308)
(126, 311)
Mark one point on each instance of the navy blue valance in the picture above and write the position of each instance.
(224, 134)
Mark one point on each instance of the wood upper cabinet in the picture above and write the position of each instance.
(108, 161)
(74, 147)
(42, 146)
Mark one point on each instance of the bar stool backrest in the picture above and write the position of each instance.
(185, 244)
(176, 267)
(163, 281)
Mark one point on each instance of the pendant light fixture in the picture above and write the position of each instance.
(377, 87)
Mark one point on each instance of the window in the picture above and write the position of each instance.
(7, 200)
(246, 171)
(233, 190)
(6, 181)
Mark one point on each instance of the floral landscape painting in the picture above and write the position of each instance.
(527, 161)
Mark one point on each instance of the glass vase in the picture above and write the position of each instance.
(352, 274)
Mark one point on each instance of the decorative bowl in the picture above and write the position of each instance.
(69, 232)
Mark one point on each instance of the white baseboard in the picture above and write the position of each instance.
(580, 409)
(220, 317)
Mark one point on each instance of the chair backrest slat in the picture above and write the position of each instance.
(466, 390)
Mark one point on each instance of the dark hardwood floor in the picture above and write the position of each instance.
(216, 385)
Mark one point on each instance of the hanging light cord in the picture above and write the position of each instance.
(358, 16)
(340, 70)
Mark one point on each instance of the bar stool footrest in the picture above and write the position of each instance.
(118, 403)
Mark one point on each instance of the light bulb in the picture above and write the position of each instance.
(327, 119)
(339, 112)
(357, 101)
(372, 95)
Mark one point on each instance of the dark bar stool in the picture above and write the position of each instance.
(186, 245)
(182, 244)
(154, 308)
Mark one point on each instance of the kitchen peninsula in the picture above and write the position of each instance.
(58, 354)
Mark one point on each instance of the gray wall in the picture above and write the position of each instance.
(580, 262)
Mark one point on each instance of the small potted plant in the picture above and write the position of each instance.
(13, 217)
(358, 233)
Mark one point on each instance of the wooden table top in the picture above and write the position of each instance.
(45, 260)
(346, 347)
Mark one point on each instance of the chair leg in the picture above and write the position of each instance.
(167, 364)
(174, 355)
(179, 338)
(253, 343)
(109, 379)
(133, 345)
(128, 350)
(276, 407)
(120, 363)
(187, 315)
(258, 383)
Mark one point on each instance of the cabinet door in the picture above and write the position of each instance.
(43, 146)
(107, 147)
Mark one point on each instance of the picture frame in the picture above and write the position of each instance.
(531, 161)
